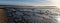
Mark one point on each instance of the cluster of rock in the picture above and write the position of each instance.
(28, 16)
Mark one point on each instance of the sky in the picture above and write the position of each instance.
(28, 2)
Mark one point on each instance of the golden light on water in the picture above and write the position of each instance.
(57, 3)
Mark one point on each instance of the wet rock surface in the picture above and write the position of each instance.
(28, 16)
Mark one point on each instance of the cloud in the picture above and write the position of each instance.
(28, 2)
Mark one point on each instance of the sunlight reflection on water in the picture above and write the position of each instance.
(58, 19)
